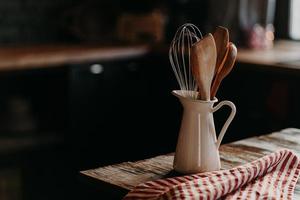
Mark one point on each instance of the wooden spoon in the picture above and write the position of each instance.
(224, 71)
(203, 62)
(221, 36)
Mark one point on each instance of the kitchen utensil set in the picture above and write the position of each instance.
(201, 63)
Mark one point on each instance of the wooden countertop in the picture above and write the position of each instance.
(126, 176)
(284, 54)
(18, 58)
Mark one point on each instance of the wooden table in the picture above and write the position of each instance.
(125, 176)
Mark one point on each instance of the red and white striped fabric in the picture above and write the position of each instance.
(271, 177)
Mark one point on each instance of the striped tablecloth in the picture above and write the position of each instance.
(271, 177)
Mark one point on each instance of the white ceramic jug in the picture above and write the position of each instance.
(197, 147)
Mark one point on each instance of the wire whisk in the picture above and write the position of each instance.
(179, 55)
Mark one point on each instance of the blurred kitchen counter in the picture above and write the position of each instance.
(284, 55)
(45, 56)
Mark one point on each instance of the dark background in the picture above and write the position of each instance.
(77, 21)
(55, 122)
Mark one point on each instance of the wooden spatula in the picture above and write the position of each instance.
(203, 60)
(221, 36)
(224, 71)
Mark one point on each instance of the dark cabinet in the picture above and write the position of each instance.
(123, 110)
(266, 99)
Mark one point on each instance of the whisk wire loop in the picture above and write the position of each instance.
(179, 55)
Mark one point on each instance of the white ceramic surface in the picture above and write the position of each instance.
(197, 147)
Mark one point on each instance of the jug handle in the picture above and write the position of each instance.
(228, 121)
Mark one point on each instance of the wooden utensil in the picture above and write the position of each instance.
(221, 36)
(203, 62)
(224, 71)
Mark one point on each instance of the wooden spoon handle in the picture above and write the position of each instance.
(225, 70)
(221, 36)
